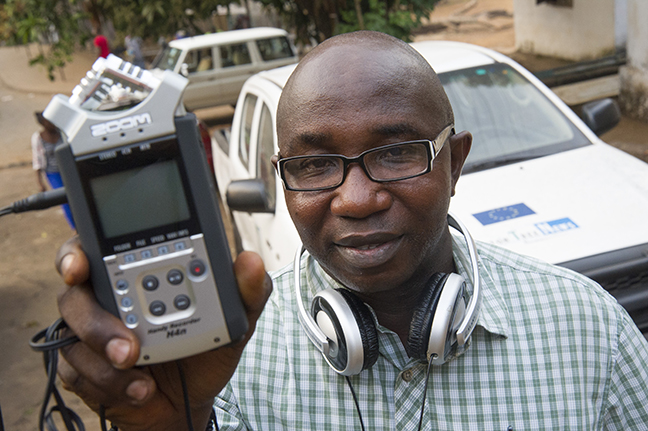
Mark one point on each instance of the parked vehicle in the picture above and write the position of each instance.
(538, 180)
(218, 64)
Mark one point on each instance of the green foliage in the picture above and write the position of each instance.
(321, 19)
(55, 22)
(154, 18)
(64, 25)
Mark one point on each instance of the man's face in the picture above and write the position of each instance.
(372, 237)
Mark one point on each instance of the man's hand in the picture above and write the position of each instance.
(100, 370)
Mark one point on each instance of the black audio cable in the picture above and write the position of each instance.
(38, 201)
(48, 341)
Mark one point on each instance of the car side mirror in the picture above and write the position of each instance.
(184, 70)
(248, 196)
(601, 115)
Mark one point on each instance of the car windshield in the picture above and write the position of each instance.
(167, 59)
(509, 118)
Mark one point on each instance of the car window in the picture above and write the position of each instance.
(199, 60)
(167, 59)
(246, 129)
(234, 55)
(265, 150)
(274, 48)
(510, 119)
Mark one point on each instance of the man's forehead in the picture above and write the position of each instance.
(352, 65)
(308, 139)
(355, 79)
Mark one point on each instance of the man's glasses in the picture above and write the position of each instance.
(391, 162)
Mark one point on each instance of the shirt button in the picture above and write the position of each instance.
(407, 375)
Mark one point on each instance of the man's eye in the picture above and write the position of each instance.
(403, 153)
(317, 166)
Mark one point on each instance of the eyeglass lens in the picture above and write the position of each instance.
(389, 163)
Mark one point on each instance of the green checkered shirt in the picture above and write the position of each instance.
(552, 351)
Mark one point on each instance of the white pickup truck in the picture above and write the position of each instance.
(538, 180)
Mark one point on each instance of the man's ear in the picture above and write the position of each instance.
(460, 147)
(274, 159)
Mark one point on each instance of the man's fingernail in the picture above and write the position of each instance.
(118, 351)
(138, 390)
(66, 263)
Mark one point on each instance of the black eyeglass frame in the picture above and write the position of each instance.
(432, 148)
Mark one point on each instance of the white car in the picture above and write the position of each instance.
(218, 64)
(538, 180)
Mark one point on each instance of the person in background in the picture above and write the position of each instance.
(102, 43)
(43, 143)
(134, 50)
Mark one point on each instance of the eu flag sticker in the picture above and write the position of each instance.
(502, 214)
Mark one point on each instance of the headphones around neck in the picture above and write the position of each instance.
(342, 328)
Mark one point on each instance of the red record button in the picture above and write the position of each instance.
(197, 268)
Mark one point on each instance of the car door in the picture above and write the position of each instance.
(200, 66)
(245, 128)
(264, 232)
(237, 64)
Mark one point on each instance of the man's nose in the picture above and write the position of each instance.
(358, 196)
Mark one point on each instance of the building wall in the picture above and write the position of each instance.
(621, 23)
(634, 77)
(583, 31)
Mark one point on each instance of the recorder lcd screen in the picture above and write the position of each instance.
(139, 199)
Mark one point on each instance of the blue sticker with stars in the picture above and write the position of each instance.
(502, 214)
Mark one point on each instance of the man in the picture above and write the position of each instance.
(551, 349)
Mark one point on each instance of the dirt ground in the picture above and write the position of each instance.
(28, 242)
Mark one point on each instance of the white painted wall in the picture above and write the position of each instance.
(620, 23)
(584, 31)
(634, 77)
(638, 33)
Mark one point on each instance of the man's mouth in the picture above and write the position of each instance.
(368, 251)
(368, 246)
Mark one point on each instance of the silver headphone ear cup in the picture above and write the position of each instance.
(450, 307)
(423, 316)
(348, 323)
(366, 326)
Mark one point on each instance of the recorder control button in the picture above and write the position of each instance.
(128, 258)
(126, 303)
(146, 254)
(182, 302)
(175, 276)
(150, 282)
(157, 308)
(121, 285)
(197, 267)
(163, 250)
(180, 246)
(131, 320)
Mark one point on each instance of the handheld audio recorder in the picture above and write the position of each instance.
(144, 202)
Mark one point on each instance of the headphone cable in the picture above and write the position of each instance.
(427, 379)
(185, 394)
(355, 400)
